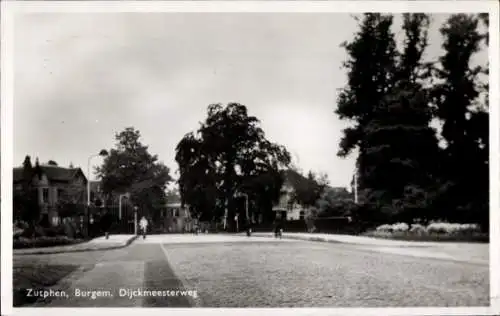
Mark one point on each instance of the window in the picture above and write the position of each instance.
(60, 193)
(302, 214)
(45, 195)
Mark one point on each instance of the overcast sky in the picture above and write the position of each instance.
(80, 78)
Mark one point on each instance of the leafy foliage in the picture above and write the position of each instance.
(465, 126)
(52, 163)
(69, 201)
(130, 168)
(392, 97)
(25, 201)
(334, 203)
(229, 154)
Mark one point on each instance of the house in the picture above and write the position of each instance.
(177, 219)
(287, 208)
(54, 184)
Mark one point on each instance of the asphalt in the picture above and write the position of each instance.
(237, 271)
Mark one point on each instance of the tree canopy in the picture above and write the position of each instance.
(226, 157)
(131, 168)
(393, 97)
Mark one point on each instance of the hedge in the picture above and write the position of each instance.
(42, 242)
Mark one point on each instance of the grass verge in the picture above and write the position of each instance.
(36, 277)
(43, 242)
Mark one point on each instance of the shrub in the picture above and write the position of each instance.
(384, 228)
(435, 231)
(400, 227)
(417, 229)
(453, 228)
(45, 241)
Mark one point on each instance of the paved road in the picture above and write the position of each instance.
(236, 271)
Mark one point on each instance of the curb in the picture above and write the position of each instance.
(40, 252)
(322, 239)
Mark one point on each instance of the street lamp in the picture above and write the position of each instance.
(356, 186)
(102, 153)
(135, 219)
(246, 206)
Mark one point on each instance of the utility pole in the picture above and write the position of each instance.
(356, 186)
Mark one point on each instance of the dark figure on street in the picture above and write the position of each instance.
(249, 229)
(105, 223)
(278, 228)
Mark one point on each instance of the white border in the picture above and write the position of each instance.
(7, 85)
(9, 8)
(494, 54)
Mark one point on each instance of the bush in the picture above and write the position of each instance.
(437, 231)
(398, 227)
(417, 229)
(54, 231)
(42, 242)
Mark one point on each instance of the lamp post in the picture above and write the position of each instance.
(356, 186)
(135, 220)
(246, 206)
(102, 153)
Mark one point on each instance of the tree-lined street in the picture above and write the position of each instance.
(352, 138)
(236, 271)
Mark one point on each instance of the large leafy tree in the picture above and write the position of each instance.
(307, 189)
(227, 155)
(131, 168)
(370, 68)
(463, 111)
(398, 169)
(335, 202)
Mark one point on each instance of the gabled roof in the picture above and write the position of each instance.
(53, 173)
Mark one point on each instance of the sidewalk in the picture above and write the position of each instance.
(477, 253)
(100, 243)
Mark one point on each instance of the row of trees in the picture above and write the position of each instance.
(405, 168)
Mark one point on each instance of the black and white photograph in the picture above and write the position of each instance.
(251, 159)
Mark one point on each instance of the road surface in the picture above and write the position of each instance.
(237, 271)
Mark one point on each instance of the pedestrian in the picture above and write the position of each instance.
(106, 221)
(144, 225)
(249, 228)
(278, 228)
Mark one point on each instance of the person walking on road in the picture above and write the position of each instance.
(144, 225)
(278, 228)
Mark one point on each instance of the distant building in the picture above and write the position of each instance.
(287, 208)
(177, 219)
(53, 183)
